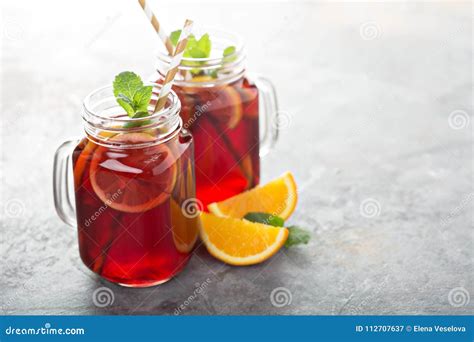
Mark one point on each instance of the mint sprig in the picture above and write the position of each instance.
(200, 48)
(265, 218)
(195, 48)
(296, 235)
(131, 94)
(228, 54)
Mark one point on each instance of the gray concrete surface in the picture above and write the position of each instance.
(378, 99)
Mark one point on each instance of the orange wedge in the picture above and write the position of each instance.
(240, 242)
(277, 197)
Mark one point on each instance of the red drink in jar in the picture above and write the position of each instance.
(130, 186)
(228, 114)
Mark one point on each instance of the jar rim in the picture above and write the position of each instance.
(102, 114)
(172, 105)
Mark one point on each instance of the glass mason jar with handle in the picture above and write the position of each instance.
(133, 184)
(229, 114)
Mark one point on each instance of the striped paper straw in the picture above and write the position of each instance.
(156, 25)
(174, 64)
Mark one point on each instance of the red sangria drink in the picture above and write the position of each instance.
(227, 112)
(132, 179)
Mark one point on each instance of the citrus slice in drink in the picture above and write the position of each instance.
(277, 197)
(185, 228)
(81, 162)
(133, 179)
(240, 242)
(203, 79)
(249, 98)
(224, 103)
(232, 108)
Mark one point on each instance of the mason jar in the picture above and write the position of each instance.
(133, 181)
(229, 114)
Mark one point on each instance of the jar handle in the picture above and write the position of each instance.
(268, 106)
(62, 171)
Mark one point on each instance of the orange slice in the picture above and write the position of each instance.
(277, 197)
(249, 100)
(233, 106)
(133, 180)
(240, 242)
(185, 229)
(81, 162)
(203, 78)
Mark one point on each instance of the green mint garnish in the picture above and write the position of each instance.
(132, 124)
(228, 51)
(174, 37)
(296, 235)
(228, 54)
(194, 48)
(265, 219)
(131, 94)
(200, 48)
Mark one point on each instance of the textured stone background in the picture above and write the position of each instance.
(378, 99)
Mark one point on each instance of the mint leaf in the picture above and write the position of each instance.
(127, 83)
(132, 124)
(131, 94)
(196, 52)
(228, 54)
(191, 44)
(228, 51)
(297, 236)
(204, 44)
(198, 48)
(174, 37)
(142, 98)
(125, 103)
(265, 219)
(213, 73)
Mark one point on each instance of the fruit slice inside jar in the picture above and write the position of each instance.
(229, 106)
(185, 228)
(133, 180)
